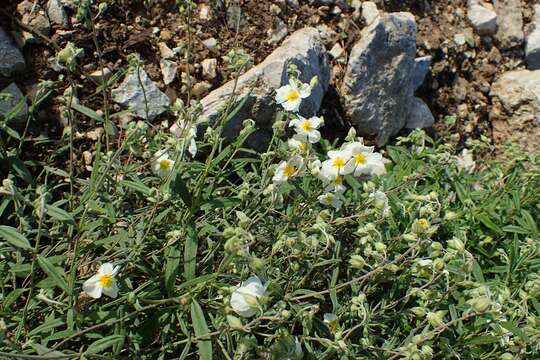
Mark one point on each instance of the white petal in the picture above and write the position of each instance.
(316, 122)
(240, 306)
(112, 291)
(92, 287)
(305, 91)
(292, 106)
(314, 136)
(281, 94)
(106, 268)
(192, 147)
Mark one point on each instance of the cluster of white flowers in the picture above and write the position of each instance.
(353, 158)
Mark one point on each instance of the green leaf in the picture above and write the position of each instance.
(53, 272)
(49, 324)
(484, 219)
(530, 222)
(136, 186)
(171, 268)
(510, 326)
(515, 229)
(103, 344)
(477, 272)
(21, 169)
(178, 187)
(88, 112)
(59, 214)
(221, 203)
(14, 237)
(478, 340)
(201, 330)
(15, 110)
(190, 252)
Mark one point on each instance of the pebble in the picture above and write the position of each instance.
(209, 68)
(165, 51)
(99, 75)
(57, 14)
(276, 34)
(201, 88)
(169, 70)
(210, 43)
(337, 51)
(205, 12)
(459, 39)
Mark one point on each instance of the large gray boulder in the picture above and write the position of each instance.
(419, 115)
(509, 23)
(515, 115)
(141, 96)
(303, 49)
(11, 59)
(532, 43)
(378, 86)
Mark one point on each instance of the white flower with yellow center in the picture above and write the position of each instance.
(245, 298)
(298, 143)
(102, 282)
(366, 162)
(288, 169)
(307, 128)
(339, 163)
(331, 199)
(163, 165)
(290, 96)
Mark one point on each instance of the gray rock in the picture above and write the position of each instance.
(419, 115)
(57, 14)
(515, 114)
(99, 75)
(377, 86)
(9, 97)
(236, 20)
(165, 51)
(337, 51)
(11, 58)
(277, 33)
(420, 70)
(509, 23)
(369, 12)
(532, 42)
(132, 93)
(304, 49)
(483, 19)
(169, 70)
(210, 43)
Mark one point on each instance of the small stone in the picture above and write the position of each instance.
(459, 39)
(57, 14)
(165, 51)
(95, 134)
(205, 12)
(357, 6)
(87, 157)
(419, 115)
(483, 20)
(209, 68)
(327, 34)
(165, 35)
(34, 17)
(236, 19)
(369, 12)
(210, 43)
(99, 75)
(145, 104)
(337, 51)
(11, 58)
(169, 70)
(278, 32)
(10, 96)
(275, 10)
(201, 88)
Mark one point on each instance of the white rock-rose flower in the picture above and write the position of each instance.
(163, 165)
(103, 282)
(245, 298)
(290, 96)
(288, 169)
(307, 128)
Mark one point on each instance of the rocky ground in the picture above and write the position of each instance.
(460, 69)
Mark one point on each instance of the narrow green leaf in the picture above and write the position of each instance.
(136, 186)
(59, 214)
(484, 219)
(179, 187)
(479, 340)
(201, 330)
(53, 272)
(103, 344)
(88, 112)
(190, 252)
(477, 272)
(515, 229)
(46, 326)
(14, 237)
(510, 326)
(21, 169)
(171, 268)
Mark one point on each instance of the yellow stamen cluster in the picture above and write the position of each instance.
(293, 95)
(105, 280)
(289, 170)
(360, 159)
(338, 163)
(165, 164)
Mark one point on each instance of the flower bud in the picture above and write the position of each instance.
(480, 304)
(456, 244)
(420, 226)
(507, 356)
(357, 261)
(435, 319)
(234, 322)
(419, 311)
(380, 247)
